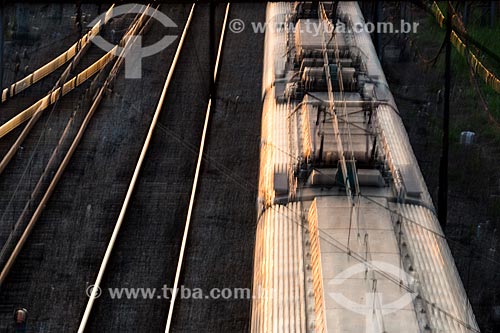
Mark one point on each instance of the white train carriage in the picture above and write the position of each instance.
(347, 235)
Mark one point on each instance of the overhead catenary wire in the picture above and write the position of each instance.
(333, 242)
(489, 78)
(472, 76)
(225, 171)
(104, 62)
(404, 218)
(345, 249)
(53, 96)
(270, 189)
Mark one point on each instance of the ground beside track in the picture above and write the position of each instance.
(221, 240)
(64, 251)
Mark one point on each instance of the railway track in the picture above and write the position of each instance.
(116, 230)
(150, 244)
(21, 268)
(161, 150)
(219, 255)
(21, 162)
(135, 28)
(211, 102)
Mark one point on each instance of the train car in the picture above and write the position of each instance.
(347, 235)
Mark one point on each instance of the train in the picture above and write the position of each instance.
(347, 237)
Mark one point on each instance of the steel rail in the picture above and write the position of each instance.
(133, 181)
(195, 181)
(55, 94)
(41, 206)
(27, 129)
(54, 64)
